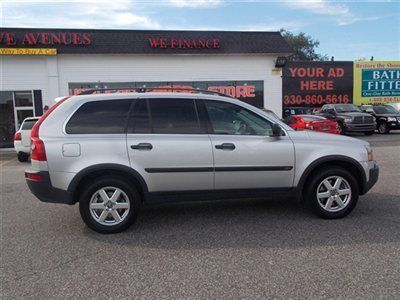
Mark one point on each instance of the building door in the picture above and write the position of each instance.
(15, 106)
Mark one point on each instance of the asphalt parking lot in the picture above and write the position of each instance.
(229, 249)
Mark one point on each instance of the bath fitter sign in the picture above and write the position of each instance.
(376, 82)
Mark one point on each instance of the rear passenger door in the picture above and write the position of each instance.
(168, 145)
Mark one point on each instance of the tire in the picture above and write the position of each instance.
(22, 157)
(104, 218)
(334, 209)
(383, 128)
(342, 129)
(369, 133)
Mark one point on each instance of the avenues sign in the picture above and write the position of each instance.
(184, 43)
(45, 38)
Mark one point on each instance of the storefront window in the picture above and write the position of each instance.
(23, 99)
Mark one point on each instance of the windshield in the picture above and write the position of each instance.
(344, 108)
(384, 110)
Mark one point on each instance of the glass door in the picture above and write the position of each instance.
(14, 108)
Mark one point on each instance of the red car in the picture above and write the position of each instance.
(311, 122)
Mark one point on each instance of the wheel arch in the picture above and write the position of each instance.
(92, 172)
(345, 162)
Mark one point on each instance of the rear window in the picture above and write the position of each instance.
(313, 118)
(99, 117)
(27, 125)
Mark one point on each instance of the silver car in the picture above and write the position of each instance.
(114, 153)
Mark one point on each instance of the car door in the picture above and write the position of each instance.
(168, 145)
(246, 155)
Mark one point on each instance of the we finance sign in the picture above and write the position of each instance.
(376, 82)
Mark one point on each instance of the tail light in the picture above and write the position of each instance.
(17, 136)
(38, 151)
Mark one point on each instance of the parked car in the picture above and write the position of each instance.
(386, 116)
(396, 106)
(114, 153)
(288, 111)
(312, 122)
(22, 139)
(350, 118)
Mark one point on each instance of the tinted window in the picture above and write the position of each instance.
(174, 116)
(384, 110)
(27, 125)
(100, 117)
(227, 118)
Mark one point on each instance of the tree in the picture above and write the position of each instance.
(304, 46)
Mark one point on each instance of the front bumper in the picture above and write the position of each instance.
(360, 127)
(373, 178)
(42, 188)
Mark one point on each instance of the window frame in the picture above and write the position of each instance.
(64, 127)
(211, 128)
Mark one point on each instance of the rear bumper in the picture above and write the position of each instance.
(373, 178)
(42, 188)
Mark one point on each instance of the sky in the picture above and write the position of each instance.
(347, 30)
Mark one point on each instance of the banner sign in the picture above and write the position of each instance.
(313, 84)
(376, 82)
(251, 92)
(27, 51)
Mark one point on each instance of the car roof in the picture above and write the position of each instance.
(31, 119)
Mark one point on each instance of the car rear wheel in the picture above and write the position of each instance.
(109, 205)
(22, 157)
(383, 128)
(332, 193)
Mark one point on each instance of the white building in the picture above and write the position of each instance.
(38, 65)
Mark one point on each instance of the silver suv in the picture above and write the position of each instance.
(113, 153)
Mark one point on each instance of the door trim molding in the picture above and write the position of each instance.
(219, 169)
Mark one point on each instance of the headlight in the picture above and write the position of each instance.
(391, 119)
(347, 120)
(369, 153)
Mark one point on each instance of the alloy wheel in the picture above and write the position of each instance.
(334, 193)
(109, 206)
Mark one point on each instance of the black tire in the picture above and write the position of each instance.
(342, 128)
(310, 192)
(383, 128)
(109, 181)
(369, 133)
(22, 157)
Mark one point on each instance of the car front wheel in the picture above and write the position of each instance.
(332, 193)
(109, 205)
(383, 128)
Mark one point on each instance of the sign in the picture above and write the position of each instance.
(313, 84)
(27, 51)
(44, 38)
(248, 91)
(184, 43)
(376, 82)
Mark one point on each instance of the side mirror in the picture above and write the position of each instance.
(276, 130)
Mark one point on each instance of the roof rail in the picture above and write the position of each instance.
(150, 89)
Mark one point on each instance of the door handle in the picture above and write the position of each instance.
(225, 146)
(142, 146)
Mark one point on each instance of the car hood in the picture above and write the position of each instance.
(321, 137)
(353, 114)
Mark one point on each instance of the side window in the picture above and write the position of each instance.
(174, 116)
(227, 118)
(99, 117)
(27, 125)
